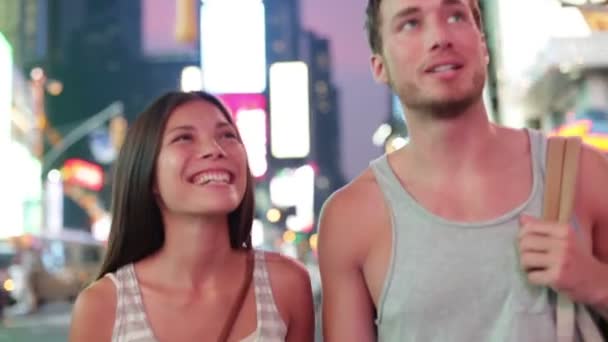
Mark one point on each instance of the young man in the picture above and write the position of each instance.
(441, 240)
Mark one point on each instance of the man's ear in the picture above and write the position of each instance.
(379, 68)
(486, 52)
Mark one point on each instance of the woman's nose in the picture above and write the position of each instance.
(211, 149)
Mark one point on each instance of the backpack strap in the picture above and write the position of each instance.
(560, 191)
(558, 206)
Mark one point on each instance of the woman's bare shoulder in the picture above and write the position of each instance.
(285, 268)
(291, 288)
(94, 312)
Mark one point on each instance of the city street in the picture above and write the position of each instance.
(49, 324)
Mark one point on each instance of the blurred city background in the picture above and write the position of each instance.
(75, 73)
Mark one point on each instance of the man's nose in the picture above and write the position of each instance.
(439, 37)
(441, 45)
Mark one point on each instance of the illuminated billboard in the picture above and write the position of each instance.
(252, 126)
(192, 79)
(250, 113)
(6, 90)
(233, 46)
(295, 188)
(53, 203)
(158, 24)
(12, 218)
(585, 129)
(289, 110)
(236, 102)
(82, 173)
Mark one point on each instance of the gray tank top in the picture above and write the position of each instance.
(451, 281)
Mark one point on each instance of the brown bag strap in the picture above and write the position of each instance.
(560, 178)
(553, 178)
(558, 206)
(238, 304)
(569, 176)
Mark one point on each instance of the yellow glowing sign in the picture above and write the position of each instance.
(582, 129)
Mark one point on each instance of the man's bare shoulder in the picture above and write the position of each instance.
(94, 311)
(358, 198)
(353, 215)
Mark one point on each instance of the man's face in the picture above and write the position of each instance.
(433, 54)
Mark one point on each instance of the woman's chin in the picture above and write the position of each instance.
(218, 208)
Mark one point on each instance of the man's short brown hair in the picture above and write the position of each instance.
(373, 20)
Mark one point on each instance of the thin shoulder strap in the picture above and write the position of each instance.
(239, 301)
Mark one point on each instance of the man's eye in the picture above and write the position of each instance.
(410, 24)
(456, 17)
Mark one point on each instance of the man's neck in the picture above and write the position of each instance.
(460, 143)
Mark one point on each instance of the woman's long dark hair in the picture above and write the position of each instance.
(137, 227)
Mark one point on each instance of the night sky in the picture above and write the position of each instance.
(364, 103)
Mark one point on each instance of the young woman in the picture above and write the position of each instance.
(179, 265)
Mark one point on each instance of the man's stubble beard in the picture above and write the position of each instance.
(440, 109)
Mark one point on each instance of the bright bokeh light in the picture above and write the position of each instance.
(22, 183)
(83, 173)
(381, 134)
(289, 236)
(53, 203)
(289, 110)
(273, 215)
(192, 79)
(251, 124)
(54, 176)
(37, 74)
(233, 46)
(281, 193)
(257, 233)
(304, 217)
(295, 188)
(101, 228)
(6, 104)
(313, 240)
(394, 143)
(9, 285)
(54, 87)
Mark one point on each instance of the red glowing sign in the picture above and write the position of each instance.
(83, 173)
(240, 102)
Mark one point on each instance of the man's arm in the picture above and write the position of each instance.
(594, 172)
(554, 255)
(348, 311)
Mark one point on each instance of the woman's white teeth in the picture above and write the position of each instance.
(216, 177)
